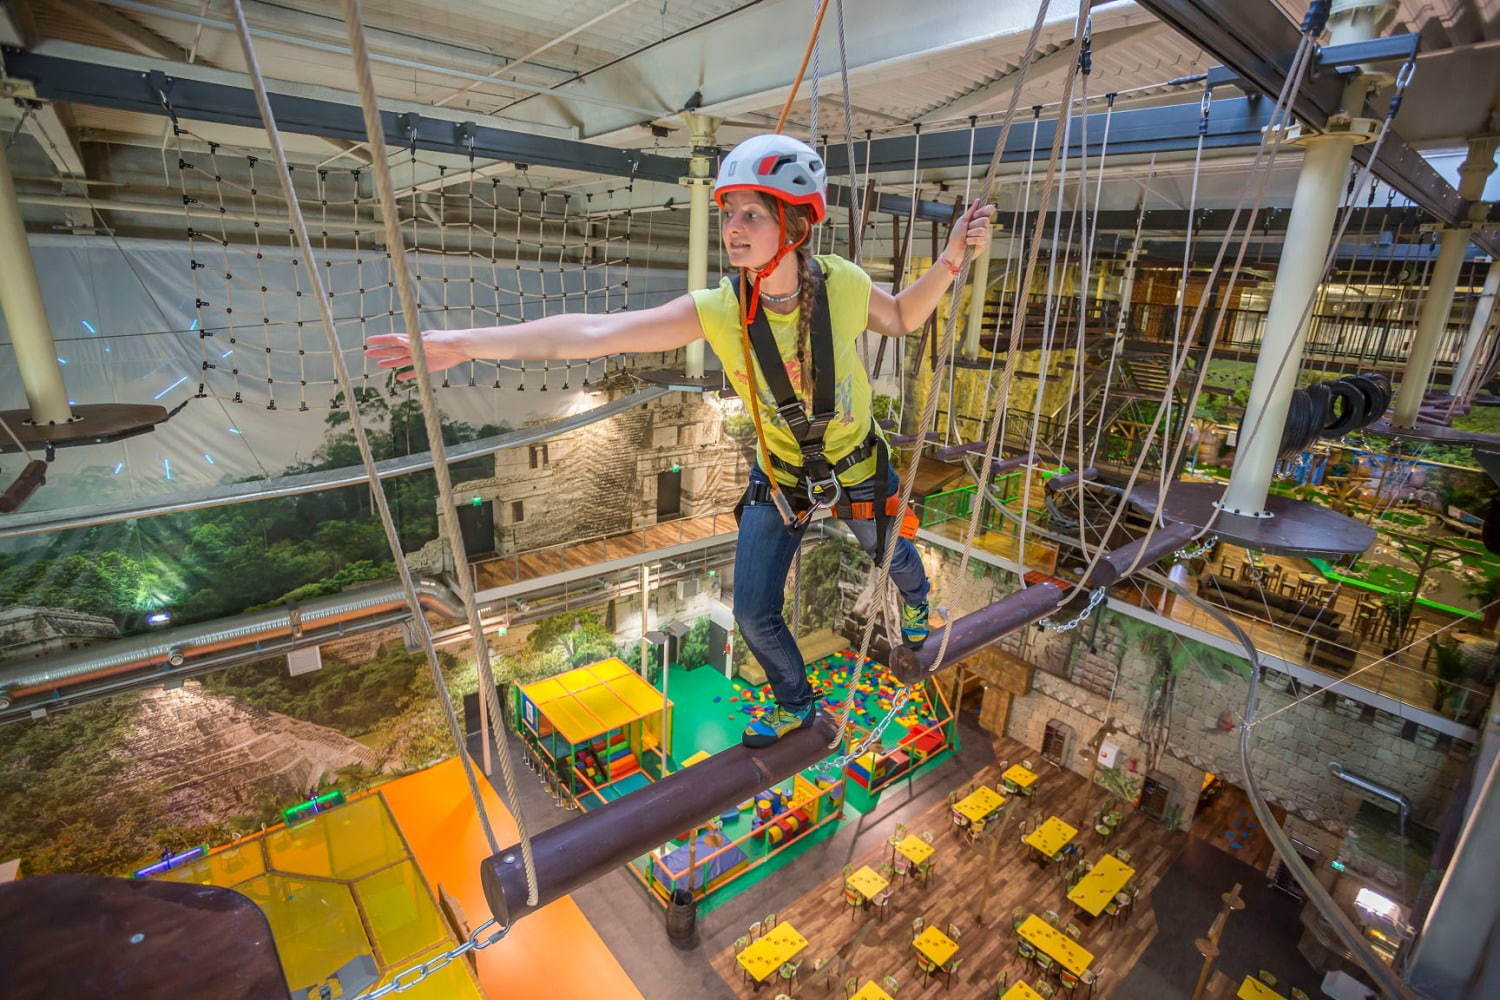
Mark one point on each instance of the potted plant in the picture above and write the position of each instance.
(1398, 608)
(1448, 664)
(1486, 592)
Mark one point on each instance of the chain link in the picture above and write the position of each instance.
(1201, 549)
(1095, 596)
(407, 978)
(838, 763)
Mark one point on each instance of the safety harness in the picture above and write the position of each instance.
(818, 478)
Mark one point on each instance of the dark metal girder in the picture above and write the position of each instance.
(59, 79)
(1256, 39)
(1366, 254)
(1232, 122)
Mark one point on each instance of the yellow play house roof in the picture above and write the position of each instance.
(588, 701)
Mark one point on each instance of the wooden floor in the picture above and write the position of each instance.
(968, 890)
(1229, 820)
(502, 570)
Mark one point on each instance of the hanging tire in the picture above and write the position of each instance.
(1346, 409)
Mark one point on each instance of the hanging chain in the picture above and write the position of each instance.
(1095, 596)
(1201, 549)
(858, 750)
(408, 978)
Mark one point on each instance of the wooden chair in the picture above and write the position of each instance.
(950, 970)
(960, 822)
(740, 944)
(1067, 980)
(1073, 931)
(1044, 962)
(829, 966)
(882, 902)
(788, 972)
(1026, 951)
(902, 865)
(925, 965)
(1043, 988)
(854, 899)
(1051, 917)
(924, 870)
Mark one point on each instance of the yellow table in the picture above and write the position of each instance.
(870, 991)
(915, 849)
(1021, 778)
(979, 804)
(1068, 953)
(867, 882)
(936, 946)
(771, 952)
(1020, 991)
(1254, 989)
(1094, 891)
(1052, 836)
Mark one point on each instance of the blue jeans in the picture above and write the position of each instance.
(763, 557)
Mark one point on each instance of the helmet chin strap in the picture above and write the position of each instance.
(765, 270)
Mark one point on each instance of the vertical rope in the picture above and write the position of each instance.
(446, 509)
(377, 491)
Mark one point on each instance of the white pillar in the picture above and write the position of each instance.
(25, 316)
(1431, 321)
(1319, 187)
(1314, 205)
(1483, 310)
(979, 268)
(699, 183)
(1438, 302)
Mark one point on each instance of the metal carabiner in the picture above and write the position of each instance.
(815, 491)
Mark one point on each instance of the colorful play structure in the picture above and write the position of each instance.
(596, 728)
(593, 734)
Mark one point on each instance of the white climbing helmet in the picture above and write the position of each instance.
(778, 165)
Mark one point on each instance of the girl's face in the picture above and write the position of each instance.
(750, 229)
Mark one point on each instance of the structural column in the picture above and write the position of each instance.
(979, 268)
(1438, 302)
(25, 316)
(1478, 322)
(699, 182)
(1319, 187)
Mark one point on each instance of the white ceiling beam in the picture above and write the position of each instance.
(987, 96)
(125, 31)
(745, 62)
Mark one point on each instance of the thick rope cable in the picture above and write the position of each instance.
(1270, 145)
(812, 42)
(446, 506)
(986, 190)
(361, 438)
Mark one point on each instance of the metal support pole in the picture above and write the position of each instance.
(1438, 302)
(1431, 321)
(25, 316)
(699, 183)
(979, 268)
(1314, 205)
(1483, 310)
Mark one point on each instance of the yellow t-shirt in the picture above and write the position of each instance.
(849, 309)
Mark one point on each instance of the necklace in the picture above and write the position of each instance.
(778, 299)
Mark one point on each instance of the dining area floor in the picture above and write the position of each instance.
(989, 896)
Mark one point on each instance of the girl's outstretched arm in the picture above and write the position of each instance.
(566, 337)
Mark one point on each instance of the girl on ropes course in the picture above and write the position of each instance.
(786, 336)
